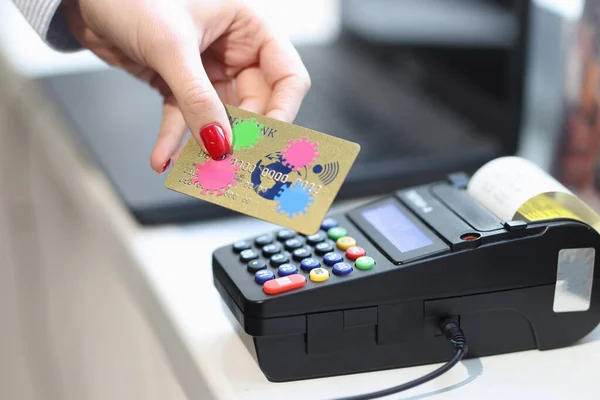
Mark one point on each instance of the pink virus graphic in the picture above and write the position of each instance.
(215, 176)
(300, 153)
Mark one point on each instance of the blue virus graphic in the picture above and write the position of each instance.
(293, 200)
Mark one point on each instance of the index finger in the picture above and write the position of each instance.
(286, 75)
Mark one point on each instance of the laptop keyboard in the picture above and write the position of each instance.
(352, 98)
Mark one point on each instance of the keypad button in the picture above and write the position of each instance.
(287, 269)
(248, 255)
(332, 258)
(285, 234)
(293, 244)
(300, 254)
(309, 264)
(342, 269)
(271, 249)
(315, 239)
(284, 284)
(319, 275)
(263, 240)
(328, 223)
(345, 242)
(264, 275)
(364, 262)
(278, 259)
(355, 252)
(323, 248)
(336, 233)
(240, 246)
(256, 265)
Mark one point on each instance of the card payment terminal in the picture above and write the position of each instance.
(366, 292)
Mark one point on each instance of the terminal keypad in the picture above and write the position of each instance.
(286, 260)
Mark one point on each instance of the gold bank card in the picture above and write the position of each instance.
(278, 172)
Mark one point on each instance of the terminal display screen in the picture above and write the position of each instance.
(389, 221)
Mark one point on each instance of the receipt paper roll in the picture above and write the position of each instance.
(514, 188)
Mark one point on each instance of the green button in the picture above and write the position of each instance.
(336, 233)
(364, 262)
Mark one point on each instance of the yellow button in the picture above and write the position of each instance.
(319, 275)
(344, 243)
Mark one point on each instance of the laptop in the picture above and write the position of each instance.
(423, 99)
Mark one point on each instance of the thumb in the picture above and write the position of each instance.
(177, 59)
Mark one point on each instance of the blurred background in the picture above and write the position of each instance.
(444, 85)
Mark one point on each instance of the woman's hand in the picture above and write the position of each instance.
(193, 51)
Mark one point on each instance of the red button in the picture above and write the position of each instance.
(284, 284)
(355, 252)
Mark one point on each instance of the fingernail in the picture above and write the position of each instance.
(215, 141)
(164, 167)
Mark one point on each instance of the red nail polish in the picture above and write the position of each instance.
(164, 168)
(215, 141)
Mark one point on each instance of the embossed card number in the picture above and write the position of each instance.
(278, 172)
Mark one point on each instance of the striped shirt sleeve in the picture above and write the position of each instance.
(43, 18)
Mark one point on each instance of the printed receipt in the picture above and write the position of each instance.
(514, 188)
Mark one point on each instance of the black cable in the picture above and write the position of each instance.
(455, 336)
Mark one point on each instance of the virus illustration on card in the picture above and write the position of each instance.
(246, 134)
(300, 153)
(215, 176)
(293, 200)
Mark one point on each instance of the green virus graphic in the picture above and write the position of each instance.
(246, 134)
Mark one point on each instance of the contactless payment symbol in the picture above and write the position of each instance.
(327, 172)
(215, 176)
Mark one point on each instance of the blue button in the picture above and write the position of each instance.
(263, 275)
(328, 223)
(286, 269)
(342, 268)
(308, 264)
(332, 258)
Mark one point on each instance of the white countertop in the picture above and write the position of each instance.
(176, 263)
